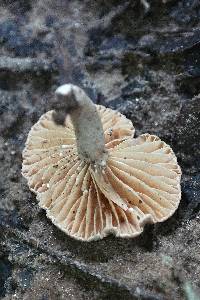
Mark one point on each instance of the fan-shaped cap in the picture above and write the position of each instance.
(140, 183)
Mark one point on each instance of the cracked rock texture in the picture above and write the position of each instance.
(144, 63)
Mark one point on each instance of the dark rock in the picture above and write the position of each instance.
(115, 43)
(5, 272)
(186, 12)
(19, 7)
(191, 194)
(188, 134)
(144, 64)
(8, 30)
(10, 113)
(22, 42)
(50, 20)
(22, 46)
(178, 42)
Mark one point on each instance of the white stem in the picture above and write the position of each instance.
(87, 124)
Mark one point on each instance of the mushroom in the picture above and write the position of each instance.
(92, 177)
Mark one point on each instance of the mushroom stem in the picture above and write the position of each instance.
(86, 121)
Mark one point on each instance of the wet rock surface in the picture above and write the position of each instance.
(144, 63)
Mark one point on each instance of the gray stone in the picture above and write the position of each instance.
(126, 58)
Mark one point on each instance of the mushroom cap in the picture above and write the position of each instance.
(140, 183)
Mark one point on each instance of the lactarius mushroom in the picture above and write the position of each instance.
(92, 177)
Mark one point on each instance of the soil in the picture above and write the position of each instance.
(144, 62)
